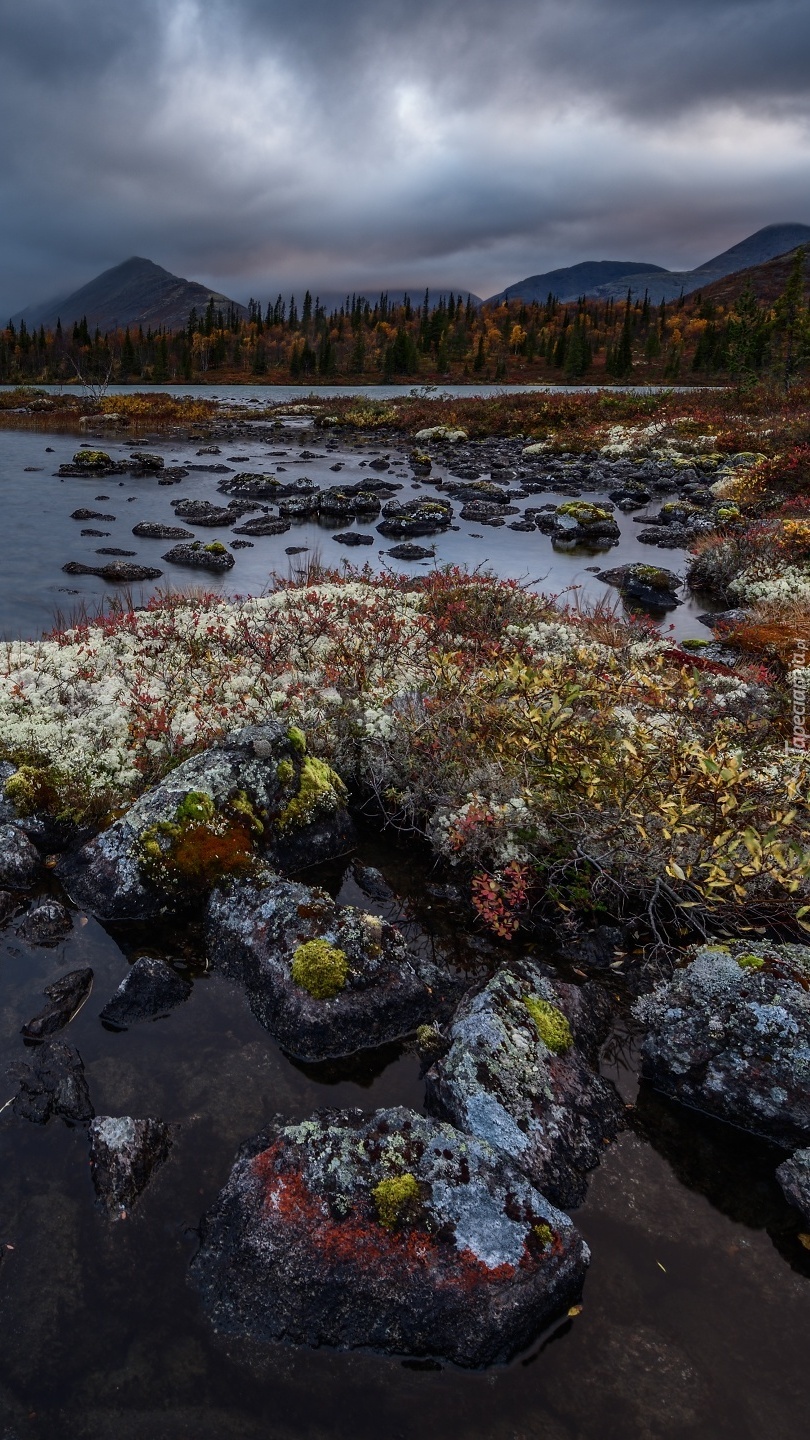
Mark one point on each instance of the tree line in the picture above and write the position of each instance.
(434, 341)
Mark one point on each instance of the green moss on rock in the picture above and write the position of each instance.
(320, 969)
(320, 789)
(550, 1023)
(396, 1199)
(584, 512)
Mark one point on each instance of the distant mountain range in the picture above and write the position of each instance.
(604, 278)
(137, 292)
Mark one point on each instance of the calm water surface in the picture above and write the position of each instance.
(40, 537)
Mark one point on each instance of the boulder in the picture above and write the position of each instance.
(649, 585)
(411, 552)
(730, 1035)
(392, 1232)
(124, 1154)
(20, 865)
(118, 571)
(263, 525)
(256, 792)
(65, 996)
(146, 461)
(45, 924)
(202, 512)
(83, 514)
(201, 557)
(582, 523)
(148, 991)
(520, 1074)
(794, 1177)
(415, 517)
(52, 1084)
(353, 537)
(326, 980)
(155, 530)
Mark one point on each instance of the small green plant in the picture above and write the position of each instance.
(749, 962)
(319, 789)
(550, 1023)
(320, 969)
(544, 1233)
(215, 548)
(396, 1199)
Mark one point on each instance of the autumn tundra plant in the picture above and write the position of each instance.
(560, 762)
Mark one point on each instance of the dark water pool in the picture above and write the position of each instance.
(39, 536)
(696, 1307)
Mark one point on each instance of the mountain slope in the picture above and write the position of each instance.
(660, 284)
(572, 281)
(137, 292)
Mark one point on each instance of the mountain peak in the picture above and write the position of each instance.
(135, 292)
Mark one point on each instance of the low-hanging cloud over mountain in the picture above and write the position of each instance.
(365, 143)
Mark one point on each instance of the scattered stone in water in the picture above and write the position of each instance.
(325, 980)
(410, 552)
(794, 1177)
(442, 1246)
(202, 512)
(730, 1034)
(124, 1154)
(51, 1084)
(200, 557)
(83, 514)
(155, 530)
(118, 571)
(20, 864)
(650, 585)
(520, 1074)
(242, 545)
(48, 922)
(263, 525)
(147, 461)
(65, 996)
(149, 991)
(353, 537)
(296, 550)
(114, 550)
(99, 534)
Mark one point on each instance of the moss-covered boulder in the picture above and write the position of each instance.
(391, 1232)
(730, 1035)
(519, 1074)
(326, 980)
(584, 523)
(255, 795)
(649, 585)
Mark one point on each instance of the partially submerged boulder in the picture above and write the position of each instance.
(730, 1035)
(201, 557)
(415, 517)
(124, 1154)
(65, 996)
(649, 585)
(20, 864)
(324, 979)
(394, 1233)
(52, 1083)
(581, 522)
(794, 1177)
(45, 923)
(519, 1074)
(257, 792)
(148, 991)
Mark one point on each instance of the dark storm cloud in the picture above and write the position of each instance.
(259, 145)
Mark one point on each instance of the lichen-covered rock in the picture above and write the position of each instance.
(201, 557)
(148, 991)
(156, 530)
(20, 865)
(650, 585)
(324, 979)
(394, 1233)
(257, 792)
(519, 1074)
(415, 517)
(730, 1035)
(65, 996)
(124, 1154)
(794, 1177)
(52, 1083)
(581, 522)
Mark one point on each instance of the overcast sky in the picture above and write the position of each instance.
(258, 145)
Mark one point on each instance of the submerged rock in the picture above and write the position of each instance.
(519, 1074)
(257, 792)
(124, 1154)
(730, 1035)
(46, 923)
(52, 1084)
(118, 571)
(393, 1232)
(325, 980)
(20, 865)
(66, 996)
(353, 537)
(794, 1177)
(149, 991)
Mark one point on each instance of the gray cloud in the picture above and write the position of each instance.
(360, 143)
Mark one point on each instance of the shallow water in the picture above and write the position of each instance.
(696, 1306)
(40, 537)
